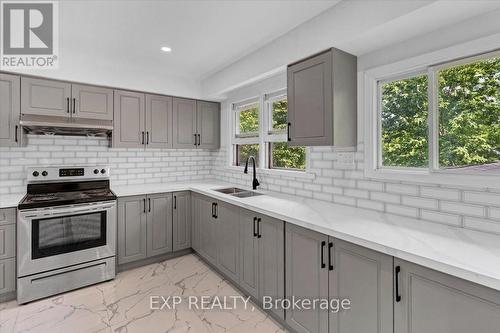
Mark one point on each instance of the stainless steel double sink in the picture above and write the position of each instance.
(238, 192)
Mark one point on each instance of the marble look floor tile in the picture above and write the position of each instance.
(123, 305)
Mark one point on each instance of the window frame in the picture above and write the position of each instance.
(371, 81)
(265, 136)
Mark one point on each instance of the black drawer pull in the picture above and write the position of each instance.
(17, 127)
(397, 271)
(149, 204)
(259, 235)
(142, 133)
(74, 105)
(254, 227)
(144, 201)
(175, 202)
(330, 255)
(323, 243)
(195, 138)
(288, 138)
(67, 104)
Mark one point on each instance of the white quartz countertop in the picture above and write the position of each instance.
(10, 200)
(467, 254)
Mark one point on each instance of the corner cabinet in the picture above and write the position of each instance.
(433, 302)
(196, 124)
(322, 100)
(144, 226)
(10, 110)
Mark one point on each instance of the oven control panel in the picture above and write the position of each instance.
(50, 173)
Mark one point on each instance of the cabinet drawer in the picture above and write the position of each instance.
(7, 216)
(7, 241)
(7, 275)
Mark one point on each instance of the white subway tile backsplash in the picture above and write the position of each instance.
(419, 202)
(433, 216)
(492, 199)
(461, 208)
(482, 225)
(440, 193)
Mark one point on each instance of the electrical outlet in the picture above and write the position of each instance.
(345, 160)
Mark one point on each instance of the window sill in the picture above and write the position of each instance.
(446, 178)
(277, 172)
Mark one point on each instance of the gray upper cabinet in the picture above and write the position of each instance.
(158, 121)
(45, 97)
(249, 253)
(434, 302)
(184, 119)
(322, 100)
(159, 224)
(129, 120)
(365, 278)
(208, 124)
(196, 124)
(227, 217)
(182, 221)
(132, 237)
(10, 132)
(92, 102)
(306, 276)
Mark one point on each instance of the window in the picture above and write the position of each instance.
(266, 140)
(445, 118)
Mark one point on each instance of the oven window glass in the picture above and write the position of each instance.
(57, 235)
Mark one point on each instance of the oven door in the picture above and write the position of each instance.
(63, 236)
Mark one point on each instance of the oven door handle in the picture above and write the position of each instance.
(67, 210)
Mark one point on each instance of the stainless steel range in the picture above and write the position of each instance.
(66, 231)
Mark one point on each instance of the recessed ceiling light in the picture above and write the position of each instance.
(166, 49)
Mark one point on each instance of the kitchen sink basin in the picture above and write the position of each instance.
(238, 192)
(231, 190)
(246, 194)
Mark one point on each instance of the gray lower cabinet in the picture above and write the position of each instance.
(196, 212)
(144, 226)
(181, 220)
(322, 100)
(306, 276)
(132, 229)
(91, 102)
(433, 302)
(10, 110)
(159, 224)
(227, 239)
(365, 278)
(262, 258)
(129, 119)
(207, 230)
(7, 253)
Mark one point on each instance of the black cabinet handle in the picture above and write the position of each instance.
(254, 227)
(199, 139)
(142, 133)
(216, 210)
(396, 272)
(195, 138)
(258, 228)
(213, 209)
(323, 243)
(149, 204)
(67, 104)
(74, 105)
(175, 202)
(288, 132)
(144, 201)
(147, 137)
(330, 255)
(15, 132)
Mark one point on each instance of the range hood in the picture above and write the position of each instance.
(51, 125)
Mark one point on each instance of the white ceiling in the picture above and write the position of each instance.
(204, 35)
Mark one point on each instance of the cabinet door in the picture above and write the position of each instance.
(310, 102)
(271, 260)
(129, 129)
(433, 302)
(208, 125)
(184, 120)
(365, 278)
(158, 121)
(91, 102)
(131, 228)
(9, 110)
(208, 230)
(182, 221)
(7, 275)
(196, 212)
(306, 277)
(227, 224)
(159, 224)
(45, 97)
(249, 253)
